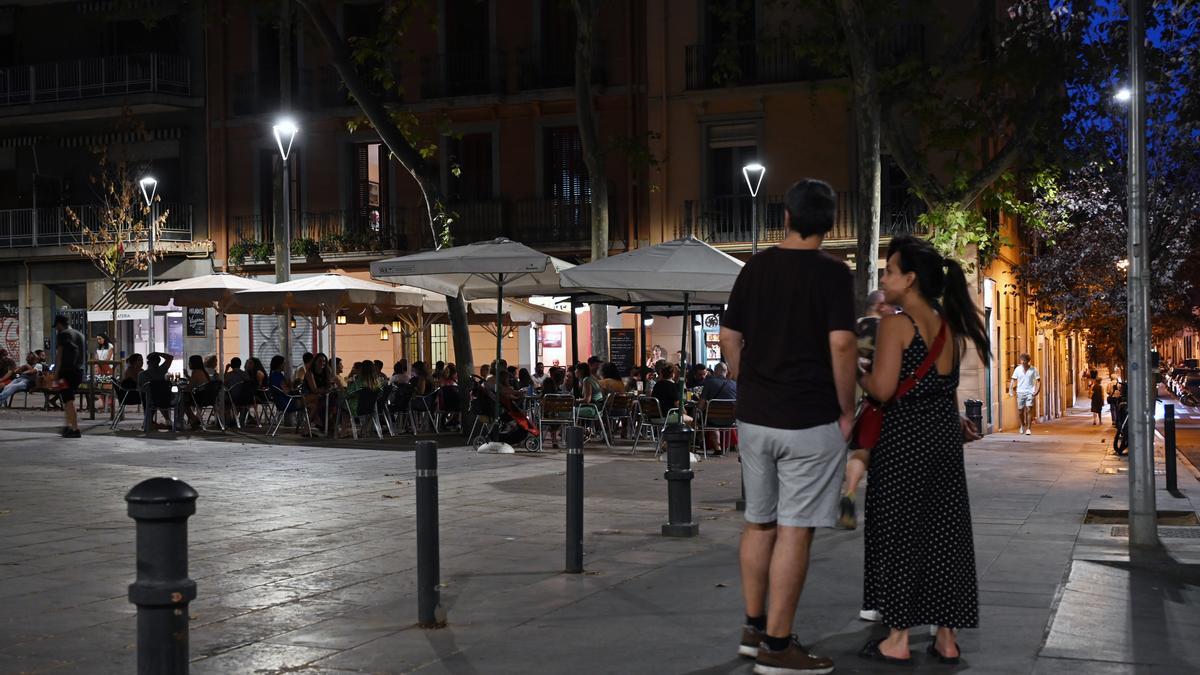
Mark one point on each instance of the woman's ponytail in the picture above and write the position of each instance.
(960, 311)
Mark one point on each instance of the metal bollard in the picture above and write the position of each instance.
(429, 606)
(1169, 447)
(679, 484)
(574, 438)
(162, 590)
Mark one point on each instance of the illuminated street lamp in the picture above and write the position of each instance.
(149, 186)
(753, 173)
(285, 131)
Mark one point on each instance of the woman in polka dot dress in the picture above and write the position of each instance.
(920, 556)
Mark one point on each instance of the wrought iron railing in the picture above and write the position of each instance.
(342, 231)
(544, 70)
(727, 64)
(463, 73)
(53, 226)
(728, 220)
(95, 77)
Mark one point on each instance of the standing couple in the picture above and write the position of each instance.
(789, 338)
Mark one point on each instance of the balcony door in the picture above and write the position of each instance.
(725, 214)
(368, 189)
(467, 61)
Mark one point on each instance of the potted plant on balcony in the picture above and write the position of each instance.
(335, 243)
(307, 247)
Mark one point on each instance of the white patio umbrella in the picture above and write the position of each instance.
(480, 270)
(325, 295)
(683, 271)
(217, 290)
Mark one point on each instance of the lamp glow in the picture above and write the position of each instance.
(753, 173)
(149, 187)
(1123, 95)
(285, 132)
(384, 335)
(648, 322)
(397, 327)
(341, 318)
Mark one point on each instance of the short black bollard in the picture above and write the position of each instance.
(162, 591)
(574, 438)
(1169, 447)
(429, 606)
(679, 483)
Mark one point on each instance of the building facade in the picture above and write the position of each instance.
(72, 76)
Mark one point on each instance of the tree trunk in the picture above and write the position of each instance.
(409, 158)
(586, 12)
(868, 204)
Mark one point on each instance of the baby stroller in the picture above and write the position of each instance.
(513, 427)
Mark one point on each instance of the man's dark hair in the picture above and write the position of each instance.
(307, 358)
(62, 320)
(810, 205)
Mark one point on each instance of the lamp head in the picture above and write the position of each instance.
(1123, 95)
(149, 187)
(285, 132)
(753, 173)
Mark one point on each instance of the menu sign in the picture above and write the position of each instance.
(197, 322)
(621, 349)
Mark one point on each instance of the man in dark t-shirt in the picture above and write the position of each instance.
(788, 336)
(69, 364)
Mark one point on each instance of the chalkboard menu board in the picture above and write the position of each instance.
(197, 322)
(621, 349)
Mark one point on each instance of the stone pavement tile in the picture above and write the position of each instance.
(347, 631)
(1053, 666)
(260, 657)
(1109, 612)
(21, 664)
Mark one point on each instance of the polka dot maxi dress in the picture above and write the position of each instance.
(920, 554)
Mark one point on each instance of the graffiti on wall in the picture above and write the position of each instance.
(10, 335)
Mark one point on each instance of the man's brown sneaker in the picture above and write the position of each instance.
(795, 660)
(751, 637)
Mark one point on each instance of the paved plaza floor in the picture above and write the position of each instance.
(304, 557)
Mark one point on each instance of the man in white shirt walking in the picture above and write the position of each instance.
(1027, 383)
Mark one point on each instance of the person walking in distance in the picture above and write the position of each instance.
(788, 337)
(70, 358)
(1027, 384)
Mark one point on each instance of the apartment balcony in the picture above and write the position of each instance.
(546, 224)
(52, 226)
(65, 86)
(754, 62)
(477, 73)
(725, 222)
(349, 231)
(540, 70)
(318, 88)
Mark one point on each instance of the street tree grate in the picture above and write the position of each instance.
(1163, 532)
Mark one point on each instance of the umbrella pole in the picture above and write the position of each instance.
(687, 326)
(574, 335)
(642, 320)
(499, 342)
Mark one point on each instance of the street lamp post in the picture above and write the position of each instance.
(149, 189)
(285, 132)
(753, 173)
(1143, 516)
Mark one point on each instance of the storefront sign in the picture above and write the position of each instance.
(197, 322)
(621, 349)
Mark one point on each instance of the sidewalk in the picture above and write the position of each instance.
(304, 560)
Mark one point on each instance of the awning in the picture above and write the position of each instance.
(102, 309)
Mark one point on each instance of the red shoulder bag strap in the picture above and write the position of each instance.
(911, 381)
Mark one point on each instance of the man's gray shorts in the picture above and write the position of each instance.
(1024, 399)
(792, 476)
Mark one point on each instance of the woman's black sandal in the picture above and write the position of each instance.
(948, 660)
(871, 651)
